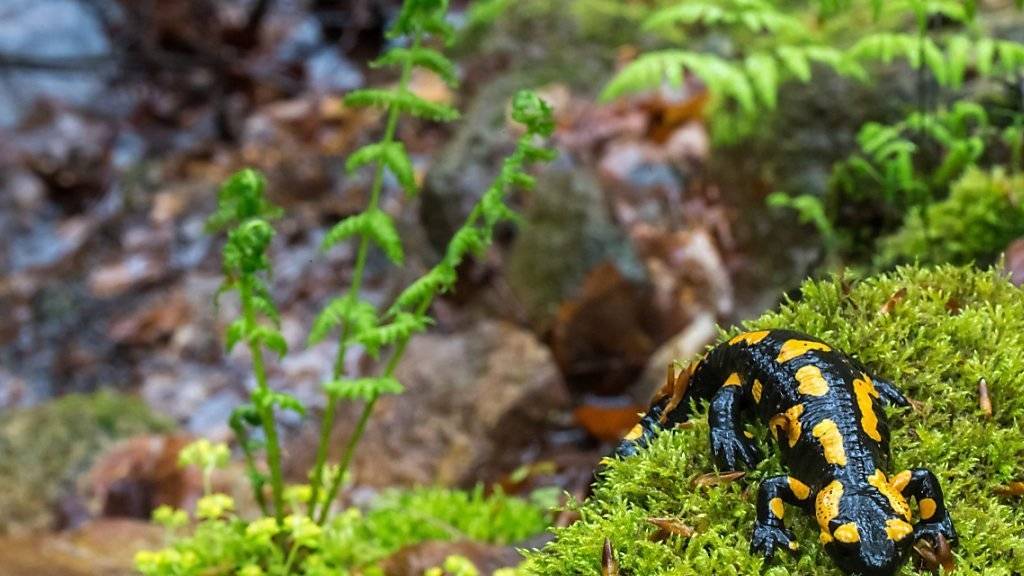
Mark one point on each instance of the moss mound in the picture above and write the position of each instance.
(935, 332)
(44, 448)
(983, 214)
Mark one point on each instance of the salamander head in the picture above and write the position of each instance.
(867, 537)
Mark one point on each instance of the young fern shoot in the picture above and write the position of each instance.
(243, 207)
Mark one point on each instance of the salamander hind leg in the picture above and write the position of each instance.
(730, 447)
(770, 533)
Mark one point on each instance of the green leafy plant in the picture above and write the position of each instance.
(905, 166)
(982, 215)
(352, 542)
(758, 46)
(296, 520)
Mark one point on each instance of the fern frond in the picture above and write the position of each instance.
(373, 224)
(393, 156)
(404, 101)
(754, 15)
(358, 314)
(422, 16)
(269, 337)
(267, 399)
(365, 389)
(234, 334)
(241, 198)
(422, 57)
(401, 327)
(764, 76)
(438, 280)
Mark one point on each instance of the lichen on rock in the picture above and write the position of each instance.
(935, 332)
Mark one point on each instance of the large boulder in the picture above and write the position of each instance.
(566, 234)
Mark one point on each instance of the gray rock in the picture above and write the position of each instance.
(567, 232)
(473, 401)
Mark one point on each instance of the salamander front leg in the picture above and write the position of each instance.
(924, 487)
(887, 391)
(770, 533)
(729, 446)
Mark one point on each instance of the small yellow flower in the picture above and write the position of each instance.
(304, 531)
(214, 506)
(170, 517)
(250, 570)
(262, 530)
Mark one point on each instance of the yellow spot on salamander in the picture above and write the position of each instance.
(733, 380)
(794, 348)
(635, 433)
(748, 434)
(826, 505)
(831, 440)
(896, 500)
(798, 488)
(847, 533)
(812, 381)
(756, 389)
(900, 481)
(788, 421)
(793, 545)
(865, 390)
(927, 506)
(777, 508)
(897, 529)
(824, 537)
(750, 338)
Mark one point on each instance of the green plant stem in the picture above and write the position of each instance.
(392, 365)
(364, 417)
(266, 410)
(330, 411)
(257, 486)
(291, 558)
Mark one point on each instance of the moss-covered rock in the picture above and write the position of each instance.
(44, 448)
(935, 332)
(982, 215)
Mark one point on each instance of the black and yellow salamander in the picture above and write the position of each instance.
(825, 409)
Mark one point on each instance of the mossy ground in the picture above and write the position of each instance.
(44, 448)
(951, 327)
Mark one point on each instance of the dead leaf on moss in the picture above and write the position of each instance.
(717, 479)
(1012, 489)
(607, 418)
(669, 527)
(609, 565)
(894, 300)
(984, 401)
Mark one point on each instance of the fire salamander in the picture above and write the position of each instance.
(825, 410)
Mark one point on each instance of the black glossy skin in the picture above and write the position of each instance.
(868, 533)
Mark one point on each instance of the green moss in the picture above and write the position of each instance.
(44, 448)
(952, 327)
(403, 518)
(982, 215)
